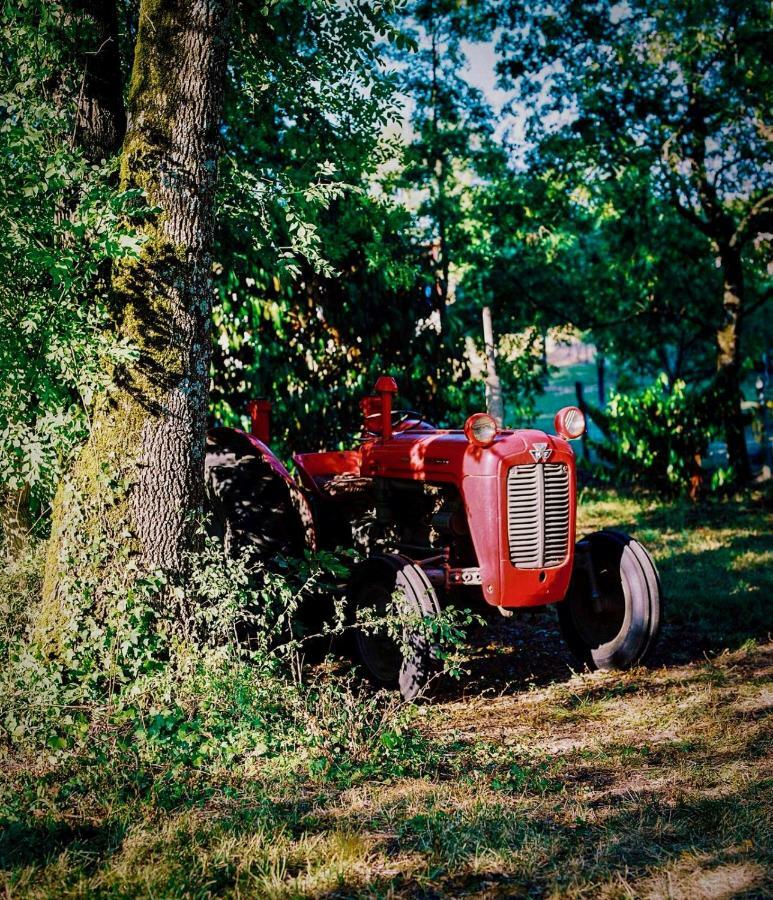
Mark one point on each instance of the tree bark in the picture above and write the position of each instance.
(136, 491)
(728, 378)
(720, 226)
(15, 521)
(494, 401)
(100, 117)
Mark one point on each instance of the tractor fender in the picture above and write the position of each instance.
(235, 437)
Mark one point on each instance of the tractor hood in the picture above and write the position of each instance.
(482, 478)
(449, 456)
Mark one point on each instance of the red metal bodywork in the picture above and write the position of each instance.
(297, 495)
(314, 467)
(479, 474)
(260, 419)
(413, 451)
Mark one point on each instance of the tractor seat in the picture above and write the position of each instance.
(344, 487)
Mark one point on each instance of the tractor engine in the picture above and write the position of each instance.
(422, 521)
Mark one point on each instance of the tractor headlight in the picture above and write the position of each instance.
(570, 423)
(481, 429)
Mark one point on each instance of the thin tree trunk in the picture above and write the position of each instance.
(100, 117)
(720, 226)
(728, 359)
(600, 379)
(494, 401)
(137, 486)
(442, 276)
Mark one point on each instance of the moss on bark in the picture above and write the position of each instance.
(129, 505)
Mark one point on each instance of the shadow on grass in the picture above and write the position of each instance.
(453, 851)
(536, 831)
(24, 843)
(545, 836)
(492, 849)
(715, 598)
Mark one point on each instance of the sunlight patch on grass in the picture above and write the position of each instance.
(653, 782)
(697, 877)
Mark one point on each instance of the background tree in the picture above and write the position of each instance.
(318, 281)
(100, 116)
(679, 92)
(450, 152)
(611, 259)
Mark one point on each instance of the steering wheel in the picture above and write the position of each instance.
(400, 417)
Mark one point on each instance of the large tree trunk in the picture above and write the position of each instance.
(728, 360)
(131, 505)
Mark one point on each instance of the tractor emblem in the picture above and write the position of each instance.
(540, 452)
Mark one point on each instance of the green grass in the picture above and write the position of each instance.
(560, 391)
(715, 561)
(526, 779)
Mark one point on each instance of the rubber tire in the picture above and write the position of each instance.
(640, 585)
(248, 504)
(396, 573)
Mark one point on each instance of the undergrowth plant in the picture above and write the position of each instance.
(215, 679)
(658, 437)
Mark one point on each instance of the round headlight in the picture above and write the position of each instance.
(481, 429)
(570, 422)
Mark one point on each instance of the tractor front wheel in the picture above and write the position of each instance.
(410, 663)
(610, 617)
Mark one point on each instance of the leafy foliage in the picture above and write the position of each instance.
(680, 89)
(658, 436)
(191, 674)
(648, 153)
(311, 254)
(61, 221)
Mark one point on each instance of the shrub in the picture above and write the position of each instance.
(657, 437)
(145, 687)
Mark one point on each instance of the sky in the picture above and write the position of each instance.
(482, 61)
(482, 58)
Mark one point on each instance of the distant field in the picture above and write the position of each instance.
(560, 391)
(523, 780)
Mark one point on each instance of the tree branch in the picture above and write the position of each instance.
(691, 216)
(757, 213)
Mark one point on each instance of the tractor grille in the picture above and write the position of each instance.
(538, 515)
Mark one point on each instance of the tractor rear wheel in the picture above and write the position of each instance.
(249, 505)
(611, 615)
(373, 585)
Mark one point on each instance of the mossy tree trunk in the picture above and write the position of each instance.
(131, 503)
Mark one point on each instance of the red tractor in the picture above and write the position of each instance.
(442, 514)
